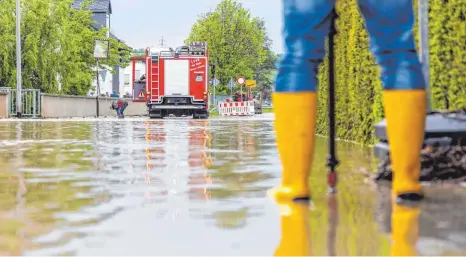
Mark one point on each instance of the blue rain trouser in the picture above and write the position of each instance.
(389, 23)
(120, 110)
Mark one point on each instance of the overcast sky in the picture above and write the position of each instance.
(142, 23)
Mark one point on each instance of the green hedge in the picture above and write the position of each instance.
(358, 93)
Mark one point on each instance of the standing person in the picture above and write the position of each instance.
(115, 95)
(306, 25)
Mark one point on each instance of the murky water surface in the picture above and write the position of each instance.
(195, 187)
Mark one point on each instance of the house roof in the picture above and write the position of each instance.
(96, 5)
(118, 39)
(96, 27)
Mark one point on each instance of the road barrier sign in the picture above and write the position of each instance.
(236, 108)
(250, 83)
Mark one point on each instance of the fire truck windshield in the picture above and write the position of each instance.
(182, 49)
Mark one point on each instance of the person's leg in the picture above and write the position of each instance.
(122, 111)
(306, 25)
(390, 26)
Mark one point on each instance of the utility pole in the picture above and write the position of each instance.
(97, 102)
(19, 107)
(162, 44)
(423, 13)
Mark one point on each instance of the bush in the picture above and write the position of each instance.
(358, 88)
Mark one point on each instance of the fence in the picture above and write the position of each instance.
(35, 104)
(30, 99)
(236, 108)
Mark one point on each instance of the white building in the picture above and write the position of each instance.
(109, 82)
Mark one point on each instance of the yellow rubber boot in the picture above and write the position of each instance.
(405, 230)
(295, 237)
(405, 112)
(295, 118)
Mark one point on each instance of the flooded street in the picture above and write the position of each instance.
(197, 187)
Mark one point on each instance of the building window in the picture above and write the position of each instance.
(127, 82)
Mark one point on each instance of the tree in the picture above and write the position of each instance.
(57, 46)
(236, 41)
(138, 52)
(266, 73)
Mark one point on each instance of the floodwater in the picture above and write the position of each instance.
(197, 187)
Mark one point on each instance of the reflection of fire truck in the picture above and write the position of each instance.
(176, 81)
(187, 161)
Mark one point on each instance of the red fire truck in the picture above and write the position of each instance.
(176, 82)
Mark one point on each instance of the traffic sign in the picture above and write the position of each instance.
(215, 82)
(142, 94)
(250, 83)
(241, 80)
(231, 83)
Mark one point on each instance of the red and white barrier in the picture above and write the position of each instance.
(236, 108)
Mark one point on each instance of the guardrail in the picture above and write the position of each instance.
(30, 101)
(35, 104)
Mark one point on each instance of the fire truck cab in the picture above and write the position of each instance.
(177, 81)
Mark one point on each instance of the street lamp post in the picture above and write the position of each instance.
(97, 91)
(101, 51)
(19, 106)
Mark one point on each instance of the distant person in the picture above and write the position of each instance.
(106, 94)
(119, 106)
(122, 104)
(114, 95)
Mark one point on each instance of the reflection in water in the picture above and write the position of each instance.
(333, 223)
(343, 224)
(155, 137)
(240, 150)
(88, 187)
(200, 156)
(295, 234)
(40, 181)
(155, 151)
(436, 227)
(236, 149)
(405, 230)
